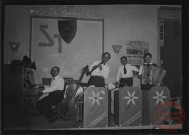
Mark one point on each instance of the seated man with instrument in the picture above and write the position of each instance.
(68, 108)
(54, 95)
(125, 73)
(99, 71)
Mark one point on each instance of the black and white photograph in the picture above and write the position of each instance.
(93, 67)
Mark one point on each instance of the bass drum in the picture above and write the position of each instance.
(62, 106)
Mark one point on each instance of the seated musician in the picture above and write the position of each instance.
(125, 73)
(99, 71)
(145, 72)
(55, 95)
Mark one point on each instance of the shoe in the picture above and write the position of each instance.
(52, 119)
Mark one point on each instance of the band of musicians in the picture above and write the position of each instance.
(92, 66)
(57, 100)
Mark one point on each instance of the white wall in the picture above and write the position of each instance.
(129, 23)
(121, 23)
(17, 28)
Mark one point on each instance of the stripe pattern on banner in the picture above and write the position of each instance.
(97, 120)
(132, 119)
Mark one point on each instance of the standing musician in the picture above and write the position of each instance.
(125, 73)
(146, 84)
(55, 95)
(146, 74)
(99, 71)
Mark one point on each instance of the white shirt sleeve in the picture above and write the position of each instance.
(55, 86)
(118, 75)
(134, 68)
(140, 70)
(92, 65)
(105, 71)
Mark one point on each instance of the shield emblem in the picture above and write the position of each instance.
(67, 29)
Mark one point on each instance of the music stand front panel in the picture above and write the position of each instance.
(130, 105)
(95, 107)
(158, 98)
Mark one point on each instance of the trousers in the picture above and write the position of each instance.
(45, 105)
(145, 103)
(126, 81)
(98, 81)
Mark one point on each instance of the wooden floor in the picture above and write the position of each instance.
(38, 122)
(15, 120)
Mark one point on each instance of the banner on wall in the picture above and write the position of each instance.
(67, 29)
(135, 51)
(54, 42)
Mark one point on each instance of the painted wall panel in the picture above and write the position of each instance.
(85, 48)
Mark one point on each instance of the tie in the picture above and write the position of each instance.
(125, 71)
(53, 78)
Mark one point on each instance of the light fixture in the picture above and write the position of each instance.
(14, 45)
(116, 48)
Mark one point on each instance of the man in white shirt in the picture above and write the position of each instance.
(145, 74)
(55, 95)
(99, 71)
(125, 73)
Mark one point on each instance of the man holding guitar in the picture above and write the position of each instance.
(99, 71)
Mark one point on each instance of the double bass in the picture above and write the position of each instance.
(68, 107)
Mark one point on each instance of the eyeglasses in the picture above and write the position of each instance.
(55, 70)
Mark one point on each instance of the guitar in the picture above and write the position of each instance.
(68, 107)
